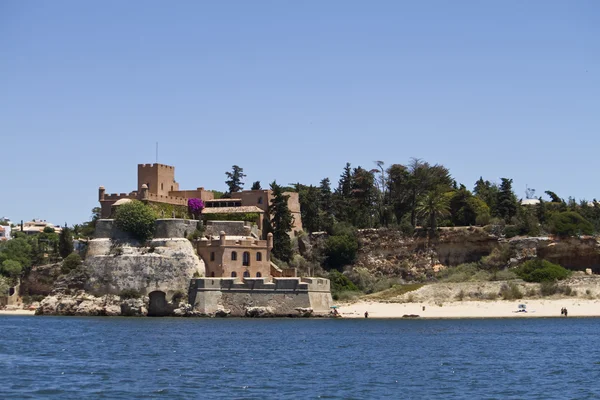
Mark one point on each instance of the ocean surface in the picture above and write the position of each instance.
(131, 358)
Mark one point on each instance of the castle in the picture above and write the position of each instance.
(231, 271)
(156, 184)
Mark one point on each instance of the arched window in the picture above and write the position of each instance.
(234, 274)
(161, 186)
(259, 256)
(246, 274)
(212, 274)
(246, 258)
(233, 255)
(258, 275)
(212, 256)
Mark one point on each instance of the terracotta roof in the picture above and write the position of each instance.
(231, 210)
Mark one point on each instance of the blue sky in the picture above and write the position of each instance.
(292, 91)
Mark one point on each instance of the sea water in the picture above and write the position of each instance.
(130, 358)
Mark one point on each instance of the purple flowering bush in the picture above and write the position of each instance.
(195, 207)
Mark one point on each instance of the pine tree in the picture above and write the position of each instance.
(234, 182)
(309, 208)
(506, 201)
(281, 223)
(256, 186)
(326, 205)
(65, 242)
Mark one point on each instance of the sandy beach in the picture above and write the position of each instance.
(17, 312)
(473, 309)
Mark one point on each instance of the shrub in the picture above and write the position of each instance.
(71, 262)
(498, 258)
(548, 288)
(136, 219)
(510, 291)
(129, 294)
(570, 223)
(541, 271)
(503, 275)
(511, 231)
(463, 273)
(340, 283)
(178, 296)
(340, 251)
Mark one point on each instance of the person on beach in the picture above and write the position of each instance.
(565, 311)
(562, 311)
(366, 314)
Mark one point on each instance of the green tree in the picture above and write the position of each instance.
(342, 196)
(309, 208)
(137, 219)
(11, 269)
(281, 223)
(70, 263)
(433, 205)
(256, 186)
(554, 197)
(570, 223)
(326, 205)
(363, 198)
(88, 229)
(506, 201)
(340, 251)
(488, 192)
(18, 249)
(65, 242)
(398, 184)
(234, 181)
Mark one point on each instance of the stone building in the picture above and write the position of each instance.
(156, 183)
(236, 256)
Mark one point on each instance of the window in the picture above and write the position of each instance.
(246, 274)
(212, 274)
(246, 259)
(258, 275)
(233, 274)
(259, 256)
(233, 256)
(212, 256)
(260, 200)
(161, 186)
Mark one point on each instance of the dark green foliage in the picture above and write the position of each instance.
(256, 186)
(511, 231)
(488, 192)
(466, 209)
(554, 197)
(541, 270)
(340, 283)
(506, 206)
(48, 229)
(11, 269)
(87, 229)
(126, 294)
(325, 205)
(70, 263)
(18, 249)
(570, 223)
(234, 181)
(281, 223)
(136, 219)
(65, 242)
(340, 251)
(309, 208)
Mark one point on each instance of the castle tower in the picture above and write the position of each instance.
(159, 178)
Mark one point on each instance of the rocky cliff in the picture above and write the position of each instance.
(388, 253)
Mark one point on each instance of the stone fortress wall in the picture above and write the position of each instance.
(281, 297)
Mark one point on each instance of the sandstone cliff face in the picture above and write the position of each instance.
(389, 253)
(165, 265)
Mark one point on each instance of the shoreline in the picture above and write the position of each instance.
(17, 312)
(536, 308)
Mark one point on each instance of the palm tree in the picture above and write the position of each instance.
(433, 204)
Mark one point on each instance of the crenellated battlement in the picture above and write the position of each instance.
(247, 242)
(167, 199)
(158, 166)
(119, 196)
